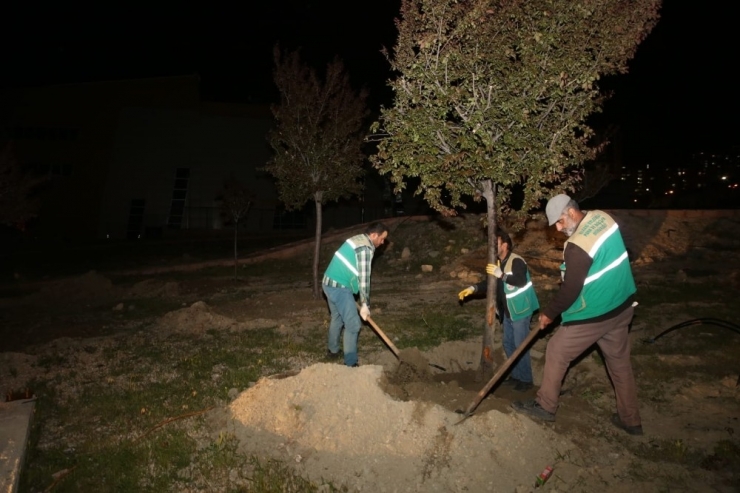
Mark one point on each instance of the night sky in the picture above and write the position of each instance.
(679, 97)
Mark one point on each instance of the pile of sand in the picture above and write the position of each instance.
(335, 423)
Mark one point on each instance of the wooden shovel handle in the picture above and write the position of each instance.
(484, 391)
(383, 336)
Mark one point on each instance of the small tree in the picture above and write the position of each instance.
(492, 95)
(17, 205)
(594, 178)
(317, 140)
(236, 201)
(597, 174)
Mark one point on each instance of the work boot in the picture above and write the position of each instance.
(632, 430)
(510, 382)
(533, 409)
(522, 386)
(332, 356)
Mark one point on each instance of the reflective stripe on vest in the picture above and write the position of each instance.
(519, 291)
(347, 262)
(606, 269)
(613, 229)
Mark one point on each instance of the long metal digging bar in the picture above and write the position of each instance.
(484, 391)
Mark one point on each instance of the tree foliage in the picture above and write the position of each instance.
(492, 95)
(500, 91)
(17, 203)
(318, 137)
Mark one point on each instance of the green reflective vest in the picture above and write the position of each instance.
(609, 281)
(520, 301)
(343, 267)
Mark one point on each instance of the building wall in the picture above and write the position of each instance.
(152, 144)
(113, 151)
(68, 132)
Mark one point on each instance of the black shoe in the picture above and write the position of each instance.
(354, 366)
(332, 356)
(510, 382)
(522, 386)
(533, 409)
(632, 430)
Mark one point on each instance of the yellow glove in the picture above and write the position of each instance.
(466, 292)
(494, 270)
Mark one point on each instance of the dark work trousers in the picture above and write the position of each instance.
(571, 341)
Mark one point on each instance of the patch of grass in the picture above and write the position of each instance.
(598, 357)
(726, 456)
(118, 428)
(693, 339)
(591, 395)
(141, 308)
(695, 299)
(222, 458)
(50, 361)
(639, 471)
(112, 465)
(274, 477)
(676, 451)
(666, 293)
(430, 328)
(224, 452)
(133, 453)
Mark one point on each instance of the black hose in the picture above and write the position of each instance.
(709, 321)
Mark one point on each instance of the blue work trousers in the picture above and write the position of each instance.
(514, 334)
(343, 314)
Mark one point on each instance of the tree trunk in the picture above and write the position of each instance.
(317, 247)
(486, 359)
(236, 260)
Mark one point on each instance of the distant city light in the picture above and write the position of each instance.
(724, 178)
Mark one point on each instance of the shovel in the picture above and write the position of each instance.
(484, 391)
(382, 335)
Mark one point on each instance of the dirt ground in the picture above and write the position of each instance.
(387, 427)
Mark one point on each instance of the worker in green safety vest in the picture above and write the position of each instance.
(596, 305)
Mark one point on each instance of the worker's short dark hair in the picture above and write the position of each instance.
(376, 227)
(505, 238)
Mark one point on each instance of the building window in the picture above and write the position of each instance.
(179, 197)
